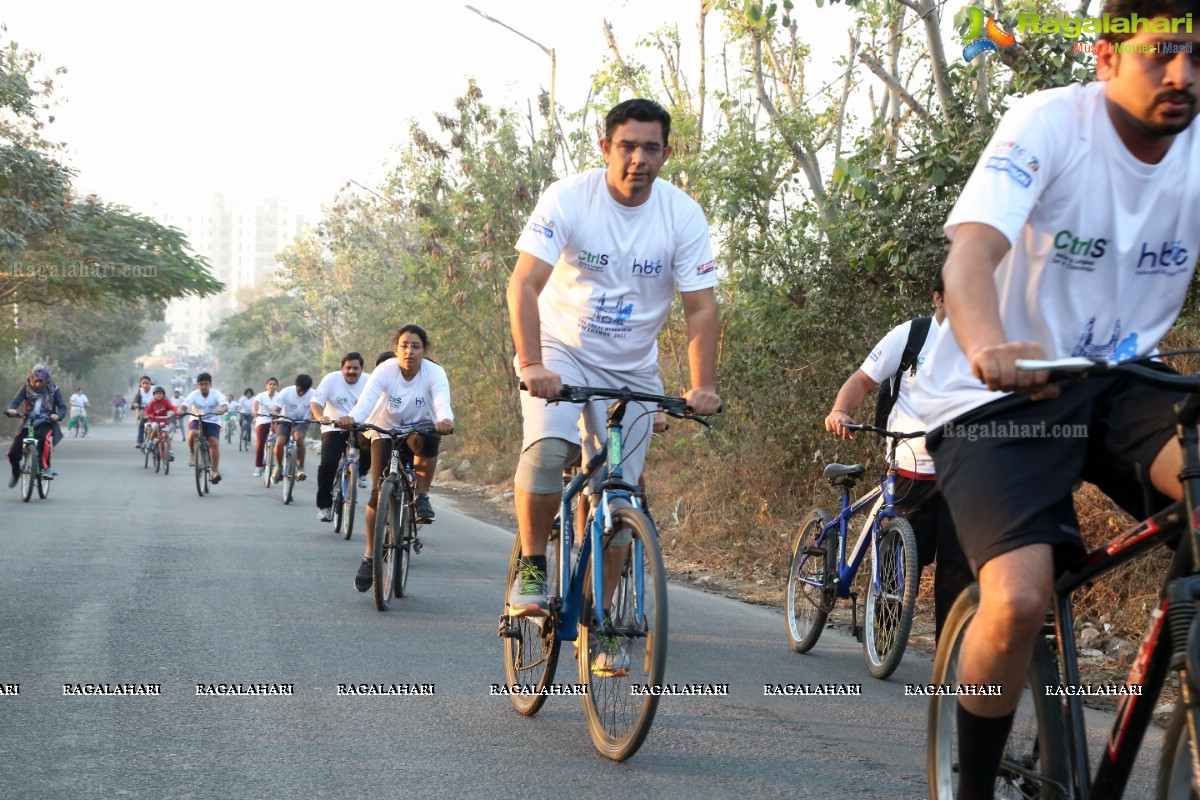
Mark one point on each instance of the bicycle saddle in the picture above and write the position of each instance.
(837, 473)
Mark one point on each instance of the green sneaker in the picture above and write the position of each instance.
(609, 659)
(528, 593)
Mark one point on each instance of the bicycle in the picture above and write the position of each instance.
(246, 429)
(160, 449)
(345, 489)
(1047, 754)
(202, 456)
(231, 427)
(269, 456)
(618, 719)
(32, 471)
(395, 516)
(820, 571)
(289, 468)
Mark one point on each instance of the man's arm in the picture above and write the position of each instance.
(849, 397)
(528, 279)
(700, 313)
(317, 411)
(973, 308)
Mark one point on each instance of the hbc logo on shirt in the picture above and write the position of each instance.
(1170, 259)
(647, 269)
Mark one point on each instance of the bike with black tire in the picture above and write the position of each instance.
(1048, 756)
(345, 488)
(32, 474)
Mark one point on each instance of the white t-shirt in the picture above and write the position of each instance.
(208, 405)
(293, 405)
(337, 397)
(246, 405)
(426, 398)
(1103, 244)
(616, 268)
(78, 404)
(143, 398)
(266, 404)
(881, 366)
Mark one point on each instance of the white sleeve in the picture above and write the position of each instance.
(322, 389)
(366, 401)
(884, 360)
(693, 267)
(439, 388)
(1015, 168)
(548, 229)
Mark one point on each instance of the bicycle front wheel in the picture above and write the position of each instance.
(530, 643)
(198, 458)
(891, 597)
(289, 475)
(349, 500)
(811, 589)
(386, 533)
(1175, 768)
(1036, 761)
(28, 467)
(635, 656)
(164, 451)
(146, 448)
(406, 533)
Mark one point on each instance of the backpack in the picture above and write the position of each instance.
(889, 390)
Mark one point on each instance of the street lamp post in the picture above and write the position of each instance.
(547, 50)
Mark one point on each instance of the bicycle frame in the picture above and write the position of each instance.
(349, 456)
(881, 500)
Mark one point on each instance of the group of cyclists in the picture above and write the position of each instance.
(1114, 164)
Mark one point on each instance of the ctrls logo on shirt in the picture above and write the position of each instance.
(983, 37)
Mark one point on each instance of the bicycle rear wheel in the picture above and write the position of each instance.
(1175, 767)
(890, 607)
(386, 533)
(29, 455)
(289, 474)
(811, 589)
(617, 719)
(531, 644)
(350, 495)
(1036, 759)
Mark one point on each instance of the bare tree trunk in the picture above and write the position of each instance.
(927, 11)
(703, 83)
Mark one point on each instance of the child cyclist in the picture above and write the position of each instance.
(157, 416)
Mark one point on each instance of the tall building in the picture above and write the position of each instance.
(240, 241)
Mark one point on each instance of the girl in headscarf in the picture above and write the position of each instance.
(40, 400)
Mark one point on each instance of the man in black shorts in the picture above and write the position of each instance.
(1076, 235)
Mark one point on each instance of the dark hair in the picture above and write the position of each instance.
(248, 391)
(386, 355)
(412, 328)
(144, 378)
(204, 376)
(303, 382)
(939, 285)
(1145, 9)
(640, 110)
(353, 356)
(272, 378)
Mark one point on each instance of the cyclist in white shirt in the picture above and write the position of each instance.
(1075, 235)
(263, 405)
(210, 405)
(79, 406)
(245, 408)
(293, 403)
(598, 267)
(335, 396)
(407, 390)
(141, 399)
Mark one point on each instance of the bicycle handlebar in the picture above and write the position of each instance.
(289, 419)
(1079, 367)
(897, 435)
(673, 406)
(422, 428)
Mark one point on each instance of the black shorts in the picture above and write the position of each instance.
(1007, 469)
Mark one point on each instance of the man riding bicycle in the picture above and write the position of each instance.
(1075, 235)
(208, 404)
(79, 405)
(292, 403)
(598, 266)
(335, 396)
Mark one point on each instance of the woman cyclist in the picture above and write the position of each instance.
(40, 400)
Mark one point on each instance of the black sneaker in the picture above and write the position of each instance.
(13, 481)
(424, 509)
(365, 576)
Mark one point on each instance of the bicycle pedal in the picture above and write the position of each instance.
(416, 545)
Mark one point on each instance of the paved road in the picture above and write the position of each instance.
(123, 576)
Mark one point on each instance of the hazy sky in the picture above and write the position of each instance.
(171, 102)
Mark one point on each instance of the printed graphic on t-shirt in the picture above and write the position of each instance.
(1078, 252)
(608, 319)
(1113, 349)
(592, 262)
(542, 225)
(1169, 258)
